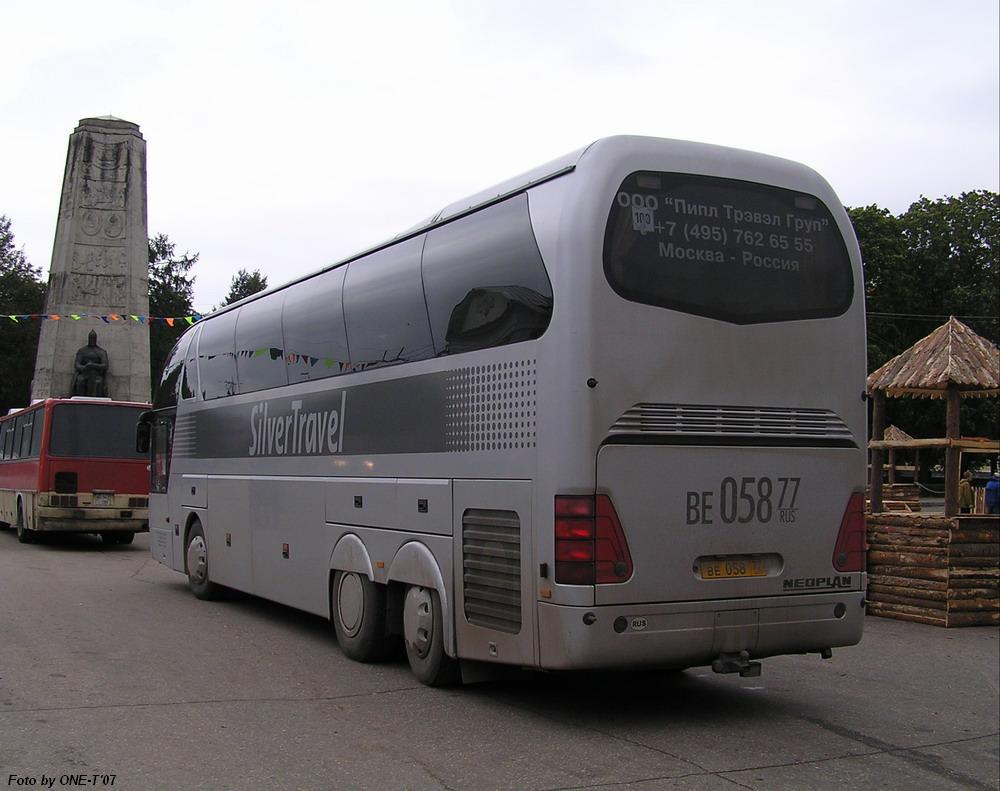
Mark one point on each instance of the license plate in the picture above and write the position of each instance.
(102, 499)
(732, 568)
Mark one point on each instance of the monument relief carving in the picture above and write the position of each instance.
(102, 195)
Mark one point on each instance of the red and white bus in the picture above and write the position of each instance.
(70, 465)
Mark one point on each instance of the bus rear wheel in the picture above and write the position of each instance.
(423, 633)
(358, 607)
(197, 565)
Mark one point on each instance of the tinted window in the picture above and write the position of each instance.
(27, 429)
(259, 360)
(189, 378)
(7, 438)
(485, 281)
(313, 321)
(731, 250)
(166, 392)
(15, 441)
(36, 436)
(384, 305)
(107, 432)
(216, 363)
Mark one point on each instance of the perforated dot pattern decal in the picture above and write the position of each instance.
(491, 407)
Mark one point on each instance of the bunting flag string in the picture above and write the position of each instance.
(107, 318)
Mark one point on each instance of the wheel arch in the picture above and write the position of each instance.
(350, 554)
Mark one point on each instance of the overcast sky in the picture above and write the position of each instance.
(283, 136)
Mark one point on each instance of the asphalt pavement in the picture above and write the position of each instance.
(112, 675)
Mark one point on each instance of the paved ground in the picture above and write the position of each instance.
(108, 666)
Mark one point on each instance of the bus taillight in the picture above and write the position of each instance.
(590, 545)
(849, 554)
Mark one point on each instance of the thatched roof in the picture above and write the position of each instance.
(896, 434)
(951, 355)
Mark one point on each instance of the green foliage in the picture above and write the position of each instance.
(21, 291)
(937, 259)
(243, 285)
(171, 291)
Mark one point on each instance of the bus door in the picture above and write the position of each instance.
(163, 542)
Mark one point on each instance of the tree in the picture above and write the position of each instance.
(21, 291)
(171, 291)
(937, 259)
(243, 285)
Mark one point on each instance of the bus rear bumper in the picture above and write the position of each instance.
(690, 634)
(91, 520)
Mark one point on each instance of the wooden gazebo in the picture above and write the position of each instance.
(953, 362)
(932, 568)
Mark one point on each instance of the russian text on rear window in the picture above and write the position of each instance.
(731, 250)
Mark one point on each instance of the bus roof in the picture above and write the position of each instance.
(531, 178)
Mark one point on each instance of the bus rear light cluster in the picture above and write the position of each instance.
(138, 502)
(590, 545)
(62, 500)
(849, 553)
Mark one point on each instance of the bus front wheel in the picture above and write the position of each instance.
(24, 535)
(423, 632)
(358, 607)
(197, 565)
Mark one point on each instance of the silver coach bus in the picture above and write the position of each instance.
(607, 414)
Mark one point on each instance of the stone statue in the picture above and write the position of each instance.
(91, 369)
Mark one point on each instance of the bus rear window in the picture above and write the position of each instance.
(736, 251)
(96, 430)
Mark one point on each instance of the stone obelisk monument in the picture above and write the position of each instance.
(99, 265)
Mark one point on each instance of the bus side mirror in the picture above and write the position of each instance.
(142, 434)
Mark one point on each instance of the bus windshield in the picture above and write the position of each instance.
(95, 430)
(733, 250)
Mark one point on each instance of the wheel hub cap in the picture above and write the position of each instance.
(418, 620)
(197, 559)
(351, 603)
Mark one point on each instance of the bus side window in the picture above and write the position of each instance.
(5, 429)
(36, 436)
(485, 281)
(216, 356)
(385, 311)
(189, 375)
(166, 392)
(15, 445)
(260, 362)
(26, 432)
(315, 338)
(189, 385)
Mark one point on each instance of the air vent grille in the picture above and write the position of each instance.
(491, 569)
(729, 421)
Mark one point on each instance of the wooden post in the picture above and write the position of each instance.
(878, 433)
(952, 456)
(892, 466)
(916, 467)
